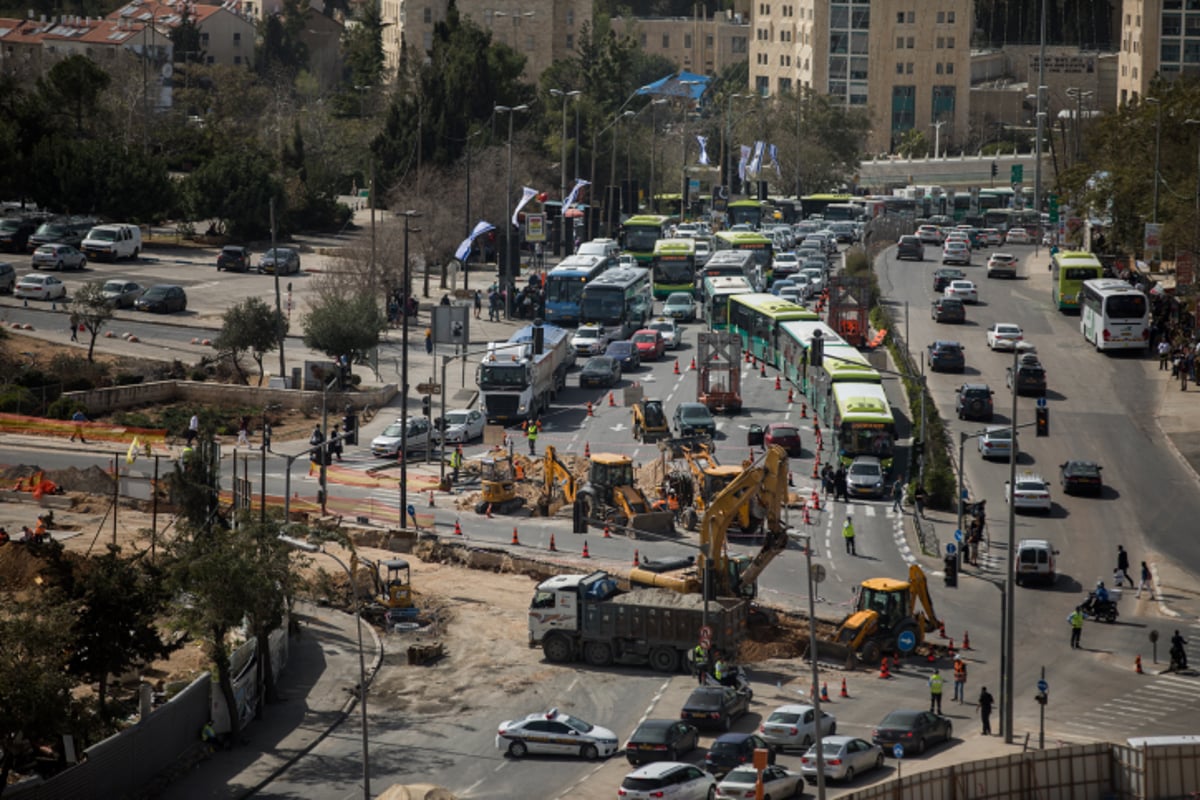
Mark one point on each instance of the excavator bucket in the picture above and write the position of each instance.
(641, 518)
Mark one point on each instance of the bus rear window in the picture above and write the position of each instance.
(1132, 306)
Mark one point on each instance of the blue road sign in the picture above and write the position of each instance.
(898, 751)
(1043, 687)
(963, 494)
(958, 535)
(1041, 402)
(906, 641)
(951, 549)
(412, 511)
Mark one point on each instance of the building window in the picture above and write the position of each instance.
(940, 43)
(904, 109)
(899, 17)
(237, 40)
(570, 44)
(570, 17)
(941, 18)
(738, 44)
(211, 60)
(943, 102)
(950, 17)
(1168, 53)
(938, 68)
(1171, 24)
(427, 42)
(912, 17)
(708, 43)
(899, 42)
(785, 85)
(762, 85)
(910, 42)
(950, 68)
(899, 67)
(908, 68)
(643, 41)
(666, 41)
(427, 15)
(949, 42)
(237, 59)
(687, 41)
(204, 40)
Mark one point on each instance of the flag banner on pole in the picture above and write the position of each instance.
(755, 165)
(703, 140)
(742, 163)
(570, 201)
(529, 195)
(464, 249)
(132, 454)
(774, 153)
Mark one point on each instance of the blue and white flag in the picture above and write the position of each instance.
(742, 163)
(529, 195)
(464, 249)
(570, 201)
(756, 160)
(774, 153)
(703, 140)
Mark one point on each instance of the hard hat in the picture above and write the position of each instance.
(849, 515)
(1099, 583)
(958, 658)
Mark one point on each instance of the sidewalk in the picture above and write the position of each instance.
(318, 690)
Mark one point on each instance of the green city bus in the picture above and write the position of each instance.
(843, 363)
(641, 232)
(761, 247)
(714, 298)
(863, 422)
(1068, 270)
(815, 204)
(757, 317)
(750, 212)
(674, 266)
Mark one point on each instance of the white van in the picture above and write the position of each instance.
(1035, 562)
(608, 248)
(111, 242)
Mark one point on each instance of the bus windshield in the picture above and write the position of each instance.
(866, 438)
(668, 270)
(1122, 306)
(606, 306)
(563, 290)
(1079, 273)
(641, 240)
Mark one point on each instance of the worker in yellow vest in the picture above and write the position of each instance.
(935, 692)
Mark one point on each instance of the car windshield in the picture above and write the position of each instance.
(831, 748)
(156, 293)
(1083, 470)
(576, 724)
(114, 286)
(599, 364)
(784, 431)
(394, 430)
(587, 333)
(707, 699)
(695, 414)
(900, 719)
(644, 337)
(665, 327)
(619, 348)
(457, 417)
(784, 717)
(679, 299)
(865, 470)
(103, 235)
(726, 748)
(999, 433)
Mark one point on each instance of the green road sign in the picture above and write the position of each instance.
(1052, 200)
(1018, 173)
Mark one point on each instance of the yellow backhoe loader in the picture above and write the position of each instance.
(611, 496)
(703, 481)
(649, 421)
(885, 613)
(760, 491)
(558, 484)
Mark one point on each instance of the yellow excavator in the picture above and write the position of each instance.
(609, 496)
(704, 480)
(391, 582)
(498, 486)
(885, 612)
(558, 484)
(649, 420)
(759, 490)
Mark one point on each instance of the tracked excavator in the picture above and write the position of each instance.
(761, 491)
(609, 496)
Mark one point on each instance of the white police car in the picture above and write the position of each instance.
(555, 733)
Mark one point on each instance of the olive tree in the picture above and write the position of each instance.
(90, 309)
(252, 326)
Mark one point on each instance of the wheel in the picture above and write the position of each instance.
(589, 752)
(871, 653)
(690, 519)
(806, 743)
(557, 649)
(664, 659)
(58, 267)
(712, 793)
(949, 731)
(833, 730)
(672, 754)
(518, 749)
(849, 774)
(879, 761)
(598, 654)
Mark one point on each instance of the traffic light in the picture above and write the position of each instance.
(1043, 421)
(995, 169)
(426, 405)
(1041, 698)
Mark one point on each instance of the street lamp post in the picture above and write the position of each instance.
(308, 547)
(516, 17)
(612, 174)
(1010, 590)
(685, 98)
(1157, 150)
(1041, 90)
(653, 146)
(408, 216)
(1196, 122)
(562, 219)
(937, 136)
(508, 271)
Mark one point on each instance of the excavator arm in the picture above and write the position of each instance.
(558, 484)
(919, 590)
(772, 495)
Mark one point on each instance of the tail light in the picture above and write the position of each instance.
(1107, 335)
(833, 762)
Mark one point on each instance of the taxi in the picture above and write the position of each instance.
(554, 733)
(1032, 493)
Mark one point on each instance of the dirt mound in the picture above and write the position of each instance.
(19, 568)
(92, 480)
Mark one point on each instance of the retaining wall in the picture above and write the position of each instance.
(114, 398)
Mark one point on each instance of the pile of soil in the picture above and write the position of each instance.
(92, 480)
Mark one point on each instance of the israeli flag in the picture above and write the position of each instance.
(464, 249)
(529, 195)
(742, 163)
(756, 160)
(703, 140)
(570, 201)
(774, 152)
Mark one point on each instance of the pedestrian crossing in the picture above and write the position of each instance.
(1163, 698)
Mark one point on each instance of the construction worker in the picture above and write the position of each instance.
(519, 470)
(1076, 620)
(531, 431)
(456, 462)
(699, 658)
(935, 692)
(39, 531)
(673, 503)
(960, 679)
(848, 534)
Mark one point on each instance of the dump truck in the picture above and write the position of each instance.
(518, 378)
(885, 613)
(587, 618)
(610, 496)
(719, 377)
(649, 420)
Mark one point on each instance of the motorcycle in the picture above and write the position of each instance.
(1178, 659)
(1105, 610)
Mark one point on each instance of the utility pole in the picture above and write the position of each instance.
(408, 217)
(278, 304)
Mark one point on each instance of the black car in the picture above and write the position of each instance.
(600, 371)
(15, 233)
(661, 740)
(974, 401)
(285, 260)
(942, 278)
(913, 730)
(69, 231)
(625, 352)
(694, 418)
(734, 749)
(910, 247)
(1031, 379)
(233, 258)
(715, 706)
(1081, 477)
(162, 299)
(947, 357)
(948, 309)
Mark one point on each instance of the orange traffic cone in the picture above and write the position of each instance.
(807, 520)
(762, 369)
(636, 562)
(589, 408)
(587, 450)
(824, 692)
(553, 548)
(816, 426)
(692, 367)
(966, 645)
(942, 629)
(1137, 665)
(677, 366)
(778, 384)
(884, 672)
(515, 540)
(606, 533)
(612, 401)
(803, 410)
(844, 693)
(950, 647)
(816, 467)
(790, 395)
(747, 356)
(431, 498)
(816, 501)
(457, 528)
(585, 550)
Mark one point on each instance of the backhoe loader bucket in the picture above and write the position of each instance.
(675, 447)
(835, 655)
(660, 522)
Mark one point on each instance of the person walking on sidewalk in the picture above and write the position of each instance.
(985, 703)
(839, 485)
(897, 495)
(428, 341)
(478, 303)
(243, 439)
(78, 418)
(1147, 582)
(1122, 570)
(1076, 620)
(193, 429)
(848, 535)
(74, 327)
(960, 679)
(935, 692)
(1164, 355)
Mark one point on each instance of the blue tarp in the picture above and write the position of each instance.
(675, 86)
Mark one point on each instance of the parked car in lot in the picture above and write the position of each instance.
(284, 259)
(794, 726)
(668, 780)
(600, 371)
(15, 233)
(843, 757)
(946, 357)
(162, 299)
(58, 257)
(1080, 477)
(61, 231)
(36, 286)
(8, 277)
(234, 258)
(948, 309)
(121, 293)
(661, 740)
(912, 730)
(555, 733)
(777, 781)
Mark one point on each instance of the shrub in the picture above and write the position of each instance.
(18, 400)
(128, 379)
(198, 375)
(64, 408)
(134, 419)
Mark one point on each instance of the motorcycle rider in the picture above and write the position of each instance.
(1178, 654)
(1101, 594)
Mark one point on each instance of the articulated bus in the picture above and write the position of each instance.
(620, 300)
(674, 266)
(758, 245)
(735, 263)
(564, 287)
(816, 204)
(1114, 316)
(863, 422)
(714, 298)
(757, 317)
(842, 363)
(641, 232)
(1068, 270)
(754, 213)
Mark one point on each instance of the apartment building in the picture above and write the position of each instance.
(1158, 37)
(704, 45)
(541, 30)
(226, 36)
(906, 62)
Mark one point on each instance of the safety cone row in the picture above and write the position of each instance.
(677, 366)
(950, 647)
(553, 548)
(585, 550)
(457, 528)
(515, 540)
(778, 384)
(762, 369)
(824, 692)
(1137, 665)
(590, 408)
(790, 396)
(748, 356)
(844, 693)
(816, 500)
(692, 366)
(807, 519)
(803, 410)
(884, 672)
(966, 645)
(816, 473)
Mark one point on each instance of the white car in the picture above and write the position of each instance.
(1004, 336)
(1017, 236)
(1033, 493)
(956, 252)
(590, 339)
(668, 780)
(555, 733)
(669, 330)
(843, 757)
(929, 234)
(777, 782)
(963, 290)
(462, 425)
(796, 293)
(816, 279)
(36, 286)
(393, 440)
(785, 263)
(1002, 264)
(791, 726)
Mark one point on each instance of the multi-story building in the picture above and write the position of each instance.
(543, 31)
(1158, 37)
(905, 61)
(226, 37)
(704, 45)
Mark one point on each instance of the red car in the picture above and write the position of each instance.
(650, 344)
(784, 434)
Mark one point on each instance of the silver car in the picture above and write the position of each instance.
(865, 477)
(843, 757)
(791, 726)
(58, 257)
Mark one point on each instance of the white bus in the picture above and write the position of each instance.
(1114, 315)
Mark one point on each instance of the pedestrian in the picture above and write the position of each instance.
(445, 300)
(318, 453)
(897, 495)
(74, 327)
(193, 429)
(1122, 570)
(1147, 582)
(960, 679)
(78, 418)
(478, 303)
(839, 484)
(698, 656)
(1076, 620)
(848, 534)
(266, 436)
(1185, 369)
(827, 479)
(935, 692)
(429, 341)
(919, 500)
(531, 431)
(1164, 355)
(973, 540)
(985, 703)
(456, 462)
(243, 439)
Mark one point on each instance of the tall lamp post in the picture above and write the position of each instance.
(408, 217)
(653, 146)
(308, 547)
(508, 271)
(1037, 167)
(562, 219)
(612, 173)
(937, 136)
(686, 98)
(1157, 149)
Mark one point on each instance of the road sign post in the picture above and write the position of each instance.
(1042, 698)
(1018, 173)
